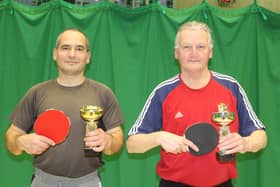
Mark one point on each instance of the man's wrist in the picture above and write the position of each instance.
(18, 145)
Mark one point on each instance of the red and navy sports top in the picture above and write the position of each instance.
(173, 106)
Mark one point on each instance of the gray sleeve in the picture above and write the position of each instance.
(24, 114)
(112, 116)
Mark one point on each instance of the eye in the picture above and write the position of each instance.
(80, 49)
(187, 47)
(65, 48)
(201, 47)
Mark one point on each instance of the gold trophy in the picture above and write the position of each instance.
(91, 115)
(223, 117)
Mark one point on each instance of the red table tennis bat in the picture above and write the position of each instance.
(204, 135)
(53, 124)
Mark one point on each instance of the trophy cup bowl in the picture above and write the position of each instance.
(223, 117)
(91, 115)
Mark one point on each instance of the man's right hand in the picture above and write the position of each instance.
(173, 143)
(33, 143)
(18, 141)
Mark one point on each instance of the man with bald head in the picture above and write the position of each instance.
(65, 163)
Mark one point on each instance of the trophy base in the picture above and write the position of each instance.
(91, 153)
(225, 158)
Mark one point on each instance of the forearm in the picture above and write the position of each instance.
(141, 143)
(256, 141)
(114, 142)
(11, 138)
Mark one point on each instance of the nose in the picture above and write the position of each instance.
(72, 52)
(194, 50)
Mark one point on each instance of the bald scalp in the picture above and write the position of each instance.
(58, 39)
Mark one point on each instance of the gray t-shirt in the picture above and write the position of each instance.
(67, 159)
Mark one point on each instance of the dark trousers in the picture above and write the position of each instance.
(165, 183)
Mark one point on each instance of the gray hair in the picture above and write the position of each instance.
(194, 25)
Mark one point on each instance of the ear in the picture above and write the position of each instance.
(88, 57)
(54, 54)
(176, 53)
(211, 53)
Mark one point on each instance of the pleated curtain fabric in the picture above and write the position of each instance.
(132, 51)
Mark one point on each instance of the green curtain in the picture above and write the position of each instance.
(132, 51)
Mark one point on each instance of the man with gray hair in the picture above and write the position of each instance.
(213, 104)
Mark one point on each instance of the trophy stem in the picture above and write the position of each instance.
(91, 126)
(224, 130)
